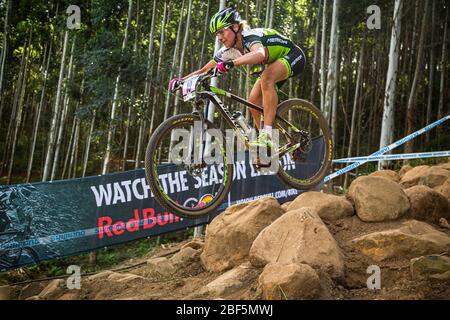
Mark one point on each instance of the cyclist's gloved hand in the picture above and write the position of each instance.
(174, 83)
(225, 66)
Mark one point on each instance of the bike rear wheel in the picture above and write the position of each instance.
(315, 154)
(175, 159)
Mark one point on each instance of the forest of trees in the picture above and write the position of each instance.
(84, 101)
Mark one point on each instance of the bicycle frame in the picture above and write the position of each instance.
(212, 95)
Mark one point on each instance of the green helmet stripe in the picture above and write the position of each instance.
(220, 21)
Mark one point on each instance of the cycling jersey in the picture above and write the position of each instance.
(276, 46)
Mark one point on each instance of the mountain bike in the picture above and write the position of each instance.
(180, 150)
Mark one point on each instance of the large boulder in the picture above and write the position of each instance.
(404, 170)
(289, 282)
(299, 236)
(434, 177)
(231, 281)
(230, 235)
(427, 204)
(378, 199)
(432, 266)
(388, 174)
(327, 206)
(412, 177)
(444, 189)
(413, 239)
(285, 205)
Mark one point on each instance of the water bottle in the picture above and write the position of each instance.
(242, 122)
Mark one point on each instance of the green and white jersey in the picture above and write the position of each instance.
(276, 45)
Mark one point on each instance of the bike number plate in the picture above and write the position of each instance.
(188, 89)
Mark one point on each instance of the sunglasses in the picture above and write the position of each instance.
(221, 31)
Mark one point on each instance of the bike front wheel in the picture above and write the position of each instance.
(305, 167)
(187, 166)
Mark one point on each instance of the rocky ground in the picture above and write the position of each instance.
(318, 246)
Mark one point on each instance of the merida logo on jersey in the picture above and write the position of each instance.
(277, 40)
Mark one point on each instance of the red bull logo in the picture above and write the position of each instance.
(196, 203)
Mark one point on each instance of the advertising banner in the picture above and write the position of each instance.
(48, 220)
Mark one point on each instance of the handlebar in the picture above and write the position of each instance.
(212, 73)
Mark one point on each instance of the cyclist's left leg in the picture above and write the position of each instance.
(275, 72)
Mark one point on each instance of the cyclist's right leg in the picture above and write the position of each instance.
(255, 97)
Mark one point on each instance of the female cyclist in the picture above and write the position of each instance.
(244, 46)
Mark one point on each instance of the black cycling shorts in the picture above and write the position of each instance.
(295, 63)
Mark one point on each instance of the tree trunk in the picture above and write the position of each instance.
(432, 68)
(387, 122)
(88, 144)
(18, 117)
(15, 103)
(272, 9)
(115, 101)
(3, 57)
(147, 91)
(74, 137)
(334, 115)
(183, 50)
(355, 106)
(175, 61)
(316, 57)
(38, 115)
(69, 149)
(74, 153)
(62, 121)
(322, 56)
(410, 113)
(266, 22)
(161, 52)
(291, 82)
(132, 96)
(332, 64)
(53, 126)
(443, 70)
(205, 31)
